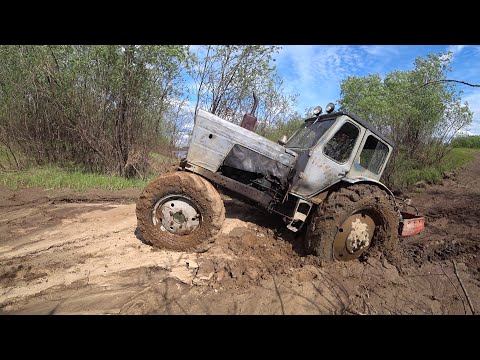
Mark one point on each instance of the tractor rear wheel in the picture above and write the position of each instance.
(180, 211)
(350, 221)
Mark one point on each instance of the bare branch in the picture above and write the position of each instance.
(448, 80)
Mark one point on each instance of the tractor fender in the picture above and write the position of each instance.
(362, 180)
(322, 195)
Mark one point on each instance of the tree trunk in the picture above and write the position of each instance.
(121, 124)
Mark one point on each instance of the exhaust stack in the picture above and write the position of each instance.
(249, 121)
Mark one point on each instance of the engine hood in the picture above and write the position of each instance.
(213, 138)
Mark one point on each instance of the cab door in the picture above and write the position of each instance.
(371, 158)
(330, 160)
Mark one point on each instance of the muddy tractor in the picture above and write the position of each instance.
(325, 177)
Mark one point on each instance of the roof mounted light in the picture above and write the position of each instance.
(317, 110)
(330, 107)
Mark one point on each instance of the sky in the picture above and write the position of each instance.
(315, 72)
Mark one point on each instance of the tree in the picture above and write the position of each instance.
(101, 107)
(225, 76)
(420, 119)
(287, 127)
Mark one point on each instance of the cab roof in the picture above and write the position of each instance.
(359, 120)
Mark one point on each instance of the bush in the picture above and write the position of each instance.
(102, 107)
(411, 173)
(471, 142)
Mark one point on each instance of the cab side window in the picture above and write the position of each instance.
(373, 154)
(340, 146)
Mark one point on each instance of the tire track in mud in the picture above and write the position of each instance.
(63, 257)
(452, 212)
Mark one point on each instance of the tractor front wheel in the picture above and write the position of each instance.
(180, 211)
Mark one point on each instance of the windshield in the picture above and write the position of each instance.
(309, 133)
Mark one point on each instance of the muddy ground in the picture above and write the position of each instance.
(79, 253)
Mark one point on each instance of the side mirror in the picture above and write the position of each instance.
(283, 140)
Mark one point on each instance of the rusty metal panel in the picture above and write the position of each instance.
(213, 138)
(411, 224)
(249, 122)
(319, 198)
(248, 160)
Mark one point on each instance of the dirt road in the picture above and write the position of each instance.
(67, 253)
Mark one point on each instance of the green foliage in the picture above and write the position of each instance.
(471, 141)
(287, 128)
(412, 108)
(455, 159)
(51, 177)
(102, 107)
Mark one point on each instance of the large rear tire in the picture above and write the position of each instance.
(180, 211)
(350, 221)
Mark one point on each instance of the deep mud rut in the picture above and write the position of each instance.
(67, 253)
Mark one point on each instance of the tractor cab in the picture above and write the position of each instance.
(333, 147)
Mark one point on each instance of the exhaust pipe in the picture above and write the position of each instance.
(249, 121)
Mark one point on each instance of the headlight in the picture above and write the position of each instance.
(330, 107)
(317, 111)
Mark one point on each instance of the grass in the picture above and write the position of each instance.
(56, 178)
(52, 177)
(161, 158)
(455, 159)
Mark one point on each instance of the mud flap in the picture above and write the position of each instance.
(411, 224)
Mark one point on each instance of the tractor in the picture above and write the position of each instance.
(326, 177)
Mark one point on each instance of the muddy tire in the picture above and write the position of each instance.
(180, 211)
(350, 221)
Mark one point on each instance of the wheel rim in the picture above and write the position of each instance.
(354, 236)
(176, 214)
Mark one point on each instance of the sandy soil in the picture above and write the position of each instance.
(80, 253)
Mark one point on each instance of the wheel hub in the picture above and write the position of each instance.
(176, 214)
(359, 238)
(354, 236)
(178, 217)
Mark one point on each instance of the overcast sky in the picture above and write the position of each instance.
(315, 71)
